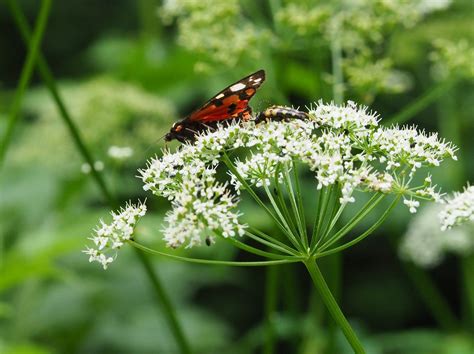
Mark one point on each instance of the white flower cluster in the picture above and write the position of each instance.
(204, 26)
(110, 237)
(425, 244)
(459, 209)
(340, 144)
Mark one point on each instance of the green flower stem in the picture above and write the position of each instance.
(214, 262)
(336, 58)
(467, 268)
(281, 200)
(332, 306)
(26, 73)
(271, 292)
(299, 198)
(254, 250)
(371, 204)
(270, 244)
(300, 222)
(322, 199)
(335, 215)
(48, 79)
(322, 214)
(165, 302)
(420, 103)
(293, 239)
(431, 297)
(249, 189)
(283, 247)
(362, 236)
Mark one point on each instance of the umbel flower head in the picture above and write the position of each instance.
(108, 238)
(343, 146)
(459, 209)
(344, 149)
(425, 244)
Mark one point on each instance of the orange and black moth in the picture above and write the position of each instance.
(227, 106)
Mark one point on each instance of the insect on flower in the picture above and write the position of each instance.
(280, 113)
(228, 105)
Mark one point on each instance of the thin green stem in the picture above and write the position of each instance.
(270, 244)
(332, 306)
(325, 196)
(420, 103)
(48, 79)
(25, 76)
(301, 224)
(363, 235)
(354, 221)
(334, 219)
(299, 199)
(293, 239)
(316, 218)
(214, 262)
(281, 201)
(271, 292)
(254, 250)
(336, 58)
(248, 188)
(275, 242)
(467, 268)
(431, 297)
(165, 301)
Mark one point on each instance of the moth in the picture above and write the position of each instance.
(230, 104)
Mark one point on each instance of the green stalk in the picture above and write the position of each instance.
(254, 250)
(300, 222)
(431, 297)
(283, 247)
(467, 268)
(281, 201)
(48, 79)
(293, 239)
(299, 199)
(165, 302)
(271, 292)
(231, 167)
(326, 193)
(270, 243)
(336, 59)
(363, 235)
(214, 262)
(377, 198)
(25, 76)
(332, 306)
(420, 103)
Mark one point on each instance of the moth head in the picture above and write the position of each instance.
(174, 132)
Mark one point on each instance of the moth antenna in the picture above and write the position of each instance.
(154, 143)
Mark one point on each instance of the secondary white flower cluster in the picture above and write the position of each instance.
(340, 144)
(425, 244)
(459, 209)
(110, 237)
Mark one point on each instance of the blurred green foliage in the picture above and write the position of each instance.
(126, 72)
